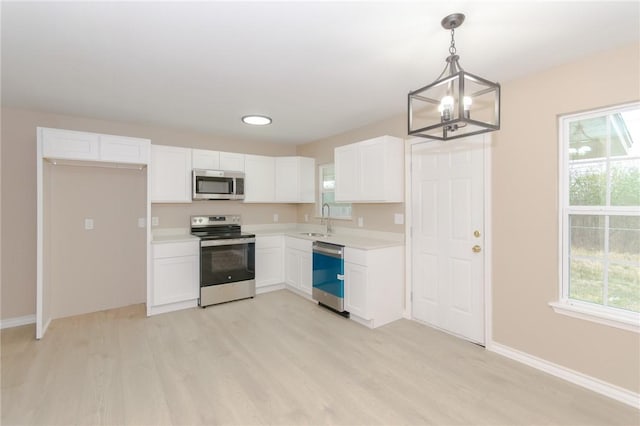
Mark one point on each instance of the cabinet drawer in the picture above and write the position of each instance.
(359, 257)
(176, 249)
(298, 244)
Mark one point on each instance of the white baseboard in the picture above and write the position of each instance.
(596, 385)
(269, 288)
(17, 321)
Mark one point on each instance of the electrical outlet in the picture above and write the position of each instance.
(142, 223)
(88, 224)
(276, 217)
(306, 218)
(360, 222)
(155, 221)
(398, 219)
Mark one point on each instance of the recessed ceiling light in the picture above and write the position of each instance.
(256, 120)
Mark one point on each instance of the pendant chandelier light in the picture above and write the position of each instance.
(458, 103)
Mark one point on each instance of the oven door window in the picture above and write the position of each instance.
(214, 185)
(227, 264)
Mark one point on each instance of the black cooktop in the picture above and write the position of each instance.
(221, 235)
(217, 227)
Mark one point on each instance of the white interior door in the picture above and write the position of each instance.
(448, 233)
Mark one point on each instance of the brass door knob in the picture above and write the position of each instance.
(476, 249)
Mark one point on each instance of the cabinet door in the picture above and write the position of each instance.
(175, 279)
(259, 184)
(170, 169)
(306, 272)
(205, 159)
(287, 180)
(307, 176)
(120, 149)
(68, 144)
(347, 173)
(372, 170)
(232, 161)
(292, 267)
(355, 289)
(268, 266)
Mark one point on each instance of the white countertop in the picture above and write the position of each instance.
(352, 241)
(348, 237)
(172, 235)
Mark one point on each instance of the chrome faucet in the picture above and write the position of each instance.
(326, 221)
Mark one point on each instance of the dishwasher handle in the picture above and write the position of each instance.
(332, 250)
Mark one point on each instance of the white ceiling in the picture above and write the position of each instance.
(317, 68)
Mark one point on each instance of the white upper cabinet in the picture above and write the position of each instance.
(205, 159)
(216, 160)
(232, 161)
(68, 144)
(295, 180)
(120, 149)
(170, 174)
(259, 183)
(85, 146)
(370, 171)
(279, 179)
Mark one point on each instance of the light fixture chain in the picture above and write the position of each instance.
(452, 48)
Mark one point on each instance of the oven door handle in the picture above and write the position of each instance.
(226, 242)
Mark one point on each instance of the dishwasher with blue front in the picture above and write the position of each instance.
(328, 276)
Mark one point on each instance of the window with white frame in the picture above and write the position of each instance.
(327, 179)
(600, 214)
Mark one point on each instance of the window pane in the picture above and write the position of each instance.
(624, 267)
(586, 275)
(624, 238)
(587, 184)
(586, 233)
(624, 287)
(625, 182)
(586, 280)
(588, 138)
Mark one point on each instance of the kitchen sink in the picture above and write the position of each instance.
(315, 234)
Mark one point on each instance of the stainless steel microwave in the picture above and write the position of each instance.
(217, 185)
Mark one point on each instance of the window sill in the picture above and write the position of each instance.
(626, 321)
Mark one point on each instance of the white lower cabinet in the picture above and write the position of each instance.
(355, 290)
(269, 262)
(298, 264)
(175, 279)
(374, 285)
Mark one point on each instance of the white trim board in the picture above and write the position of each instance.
(17, 321)
(593, 384)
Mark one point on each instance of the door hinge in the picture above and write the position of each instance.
(411, 296)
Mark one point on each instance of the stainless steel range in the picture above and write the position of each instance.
(227, 259)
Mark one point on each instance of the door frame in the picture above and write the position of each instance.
(488, 305)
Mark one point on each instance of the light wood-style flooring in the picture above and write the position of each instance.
(276, 359)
